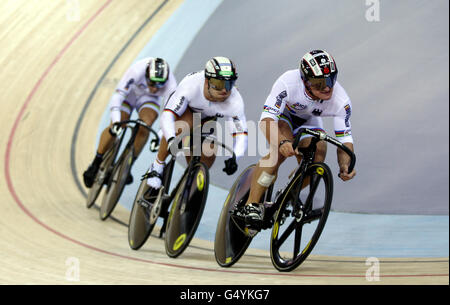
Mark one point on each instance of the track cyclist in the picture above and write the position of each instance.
(299, 99)
(210, 94)
(143, 87)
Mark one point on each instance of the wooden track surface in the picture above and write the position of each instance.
(50, 65)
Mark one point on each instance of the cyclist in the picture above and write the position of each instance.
(143, 87)
(300, 98)
(212, 94)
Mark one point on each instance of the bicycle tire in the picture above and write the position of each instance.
(139, 228)
(230, 241)
(187, 210)
(105, 168)
(317, 172)
(116, 184)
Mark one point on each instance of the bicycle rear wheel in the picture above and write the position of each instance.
(301, 217)
(116, 184)
(231, 240)
(187, 209)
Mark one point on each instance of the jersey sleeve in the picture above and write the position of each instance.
(276, 101)
(237, 127)
(176, 105)
(342, 125)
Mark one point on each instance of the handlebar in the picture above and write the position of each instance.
(214, 139)
(141, 123)
(323, 136)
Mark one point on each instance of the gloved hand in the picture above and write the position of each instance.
(172, 150)
(115, 129)
(230, 166)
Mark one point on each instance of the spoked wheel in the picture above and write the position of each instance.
(116, 184)
(232, 238)
(102, 176)
(187, 209)
(301, 217)
(143, 216)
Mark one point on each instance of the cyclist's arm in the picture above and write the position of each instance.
(237, 126)
(272, 111)
(123, 89)
(342, 127)
(175, 107)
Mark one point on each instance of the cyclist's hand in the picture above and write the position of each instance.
(344, 175)
(286, 149)
(116, 129)
(171, 147)
(230, 166)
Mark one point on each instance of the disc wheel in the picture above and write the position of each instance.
(301, 217)
(187, 209)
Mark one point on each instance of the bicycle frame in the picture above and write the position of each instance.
(308, 153)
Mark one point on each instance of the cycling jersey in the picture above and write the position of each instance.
(189, 93)
(132, 91)
(288, 101)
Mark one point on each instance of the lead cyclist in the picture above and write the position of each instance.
(299, 99)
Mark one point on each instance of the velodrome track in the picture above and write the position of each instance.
(50, 66)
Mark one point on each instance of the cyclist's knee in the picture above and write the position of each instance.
(321, 151)
(273, 160)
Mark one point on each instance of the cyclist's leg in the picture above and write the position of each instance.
(266, 171)
(106, 138)
(181, 123)
(313, 123)
(105, 143)
(147, 113)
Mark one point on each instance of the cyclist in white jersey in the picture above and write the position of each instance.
(212, 94)
(143, 88)
(299, 99)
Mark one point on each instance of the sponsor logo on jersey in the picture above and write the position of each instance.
(280, 98)
(348, 113)
(179, 104)
(271, 110)
(298, 106)
(130, 82)
(317, 112)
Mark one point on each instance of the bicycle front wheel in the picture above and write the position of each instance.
(116, 184)
(301, 217)
(140, 226)
(187, 209)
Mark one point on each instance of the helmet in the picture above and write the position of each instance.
(221, 73)
(157, 72)
(318, 69)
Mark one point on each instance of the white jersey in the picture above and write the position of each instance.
(132, 92)
(189, 93)
(289, 101)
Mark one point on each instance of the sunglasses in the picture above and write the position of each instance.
(154, 84)
(220, 84)
(321, 83)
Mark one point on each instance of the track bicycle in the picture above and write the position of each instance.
(188, 199)
(122, 168)
(104, 171)
(297, 214)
